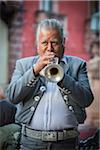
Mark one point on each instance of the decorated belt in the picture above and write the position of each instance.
(50, 135)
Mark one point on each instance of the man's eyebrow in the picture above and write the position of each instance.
(43, 41)
(55, 40)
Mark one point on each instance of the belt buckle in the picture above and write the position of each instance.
(49, 136)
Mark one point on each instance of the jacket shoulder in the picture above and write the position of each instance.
(74, 59)
(75, 63)
(27, 62)
(28, 59)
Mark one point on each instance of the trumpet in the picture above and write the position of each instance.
(53, 72)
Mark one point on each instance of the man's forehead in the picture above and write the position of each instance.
(49, 30)
(50, 33)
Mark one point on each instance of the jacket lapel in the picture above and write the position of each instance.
(65, 66)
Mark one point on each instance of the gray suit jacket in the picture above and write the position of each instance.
(27, 89)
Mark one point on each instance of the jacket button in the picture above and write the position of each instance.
(32, 108)
(42, 88)
(28, 84)
(32, 80)
(71, 108)
(65, 97)
(63, 89)
(66, 90)
(69, 92)
(36, 98)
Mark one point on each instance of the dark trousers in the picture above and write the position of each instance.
(28, 143)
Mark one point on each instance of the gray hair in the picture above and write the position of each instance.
(50, 23)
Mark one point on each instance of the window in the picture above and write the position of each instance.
(46, 5)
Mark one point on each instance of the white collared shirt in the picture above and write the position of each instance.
(52, 113)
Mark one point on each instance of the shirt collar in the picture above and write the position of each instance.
(63, 59)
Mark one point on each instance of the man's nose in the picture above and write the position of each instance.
(50, 47)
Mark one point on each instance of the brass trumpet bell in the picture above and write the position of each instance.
(53, 72)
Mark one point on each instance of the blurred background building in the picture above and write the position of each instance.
(19, 19)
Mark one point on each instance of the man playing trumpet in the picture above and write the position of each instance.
(50, 111)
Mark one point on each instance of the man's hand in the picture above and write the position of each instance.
(43, 61)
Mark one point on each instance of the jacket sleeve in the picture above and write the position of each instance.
(77, 83)
(23, 83)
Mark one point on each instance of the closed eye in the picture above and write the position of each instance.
(55, 43)
(44, 43)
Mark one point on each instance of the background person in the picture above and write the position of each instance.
(7, 110)
(50, 111)
(8, 130)
(93, 116)
(90, 130)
